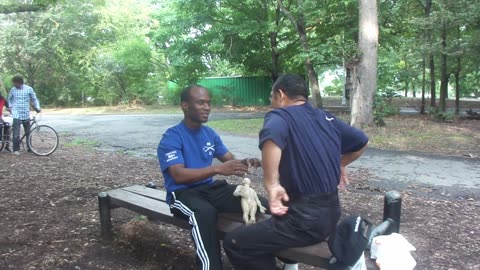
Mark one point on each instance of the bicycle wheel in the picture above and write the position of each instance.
(2, 142)
(43, 140)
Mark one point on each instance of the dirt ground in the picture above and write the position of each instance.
(49, 218)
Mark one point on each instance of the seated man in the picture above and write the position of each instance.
(185, 153)
(304, 154)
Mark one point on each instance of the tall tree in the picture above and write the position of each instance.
(299, 24)
(366, 80)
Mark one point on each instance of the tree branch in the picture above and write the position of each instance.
(7, 9)
(288, 14)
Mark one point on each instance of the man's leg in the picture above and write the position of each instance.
(16, 134)
(26, 128)
(203, 218)
(252, 247)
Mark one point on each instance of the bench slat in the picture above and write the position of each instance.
(154, 209)
(151, 193)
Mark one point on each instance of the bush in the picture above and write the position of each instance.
(437, 115)
(382, 107)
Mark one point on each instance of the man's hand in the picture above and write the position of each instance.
(38, 110)
(276, 196)
(252, 162)
(232, 167)
(343, 178)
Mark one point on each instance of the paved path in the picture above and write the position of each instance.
(141, 133)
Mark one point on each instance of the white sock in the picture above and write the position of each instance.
(290, 266)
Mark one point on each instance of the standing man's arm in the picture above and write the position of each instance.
(10, 100)
(33, 98)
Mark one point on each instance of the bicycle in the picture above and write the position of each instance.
(42, 140)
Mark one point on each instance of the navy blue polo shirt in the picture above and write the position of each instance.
(195, 148)
(312, 142)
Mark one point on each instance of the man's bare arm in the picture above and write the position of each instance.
(345, 160)
(351, 157)
(183, 175)
(271, 155)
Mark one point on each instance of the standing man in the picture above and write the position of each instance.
(304, 152)
(185, 153)
(19, 100)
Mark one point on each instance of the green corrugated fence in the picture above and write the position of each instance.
(237, 91)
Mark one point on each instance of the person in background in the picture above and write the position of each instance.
(19, 100)
(4, 126)
(304, 154)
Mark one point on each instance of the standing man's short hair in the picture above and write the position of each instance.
(17, 79)
(292, 85)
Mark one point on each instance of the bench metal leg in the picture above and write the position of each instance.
(105, 217)
(392, 209)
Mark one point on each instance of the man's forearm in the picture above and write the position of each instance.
(351, 157)
(185, 176)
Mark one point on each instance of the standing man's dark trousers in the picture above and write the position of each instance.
(200, 205)
(16, 132)
(309, 220)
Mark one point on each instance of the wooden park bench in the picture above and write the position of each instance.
(151, 203)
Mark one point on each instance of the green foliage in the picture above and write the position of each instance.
(106, 52)
(383, 106)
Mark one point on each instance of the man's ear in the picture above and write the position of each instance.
(185, 106)
(282, 94)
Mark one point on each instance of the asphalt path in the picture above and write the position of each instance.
(140, 135)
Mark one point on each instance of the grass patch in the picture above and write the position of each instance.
(248, 127)
(81, 142)
(402, 133)
(153, 109)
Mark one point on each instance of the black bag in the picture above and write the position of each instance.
(349, 241)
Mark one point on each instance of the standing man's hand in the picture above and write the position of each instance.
(276, 197)
(343, 178)
(232, 167)
(38, 110)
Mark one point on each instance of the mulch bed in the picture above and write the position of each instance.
(49, 218)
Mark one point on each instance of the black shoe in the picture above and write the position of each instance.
(29, 150)
(8, 149)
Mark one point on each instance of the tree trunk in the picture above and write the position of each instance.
(273, 35)
(275, 56)
(413, 89)
(427, 8)
(366, 80)
(457, 85)
(406, 75)
(443, 70)
(348, 81)
(422, 105)
(433, 103)
(299, 24)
